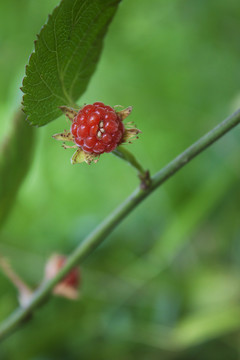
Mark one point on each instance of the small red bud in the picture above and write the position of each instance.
(68, 287)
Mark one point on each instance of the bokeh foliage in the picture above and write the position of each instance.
(16, 153)
(166, 283)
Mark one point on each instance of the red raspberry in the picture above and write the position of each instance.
(97, 128)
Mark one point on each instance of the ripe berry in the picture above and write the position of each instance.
(97, 128)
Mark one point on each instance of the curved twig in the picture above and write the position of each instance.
(87, 246)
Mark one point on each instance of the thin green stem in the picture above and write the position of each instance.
(88, 245)
(144, 176)
(126, 155)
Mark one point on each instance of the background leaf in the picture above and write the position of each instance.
(65, 57)
(15, 159)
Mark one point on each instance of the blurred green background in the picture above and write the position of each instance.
(165, 284)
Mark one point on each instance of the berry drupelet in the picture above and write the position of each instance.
(97, 128)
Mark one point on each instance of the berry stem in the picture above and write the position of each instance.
(23, 289)
(86, 247)
(127, 156)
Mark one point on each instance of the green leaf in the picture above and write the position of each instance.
(66, 54)
(15, 159)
